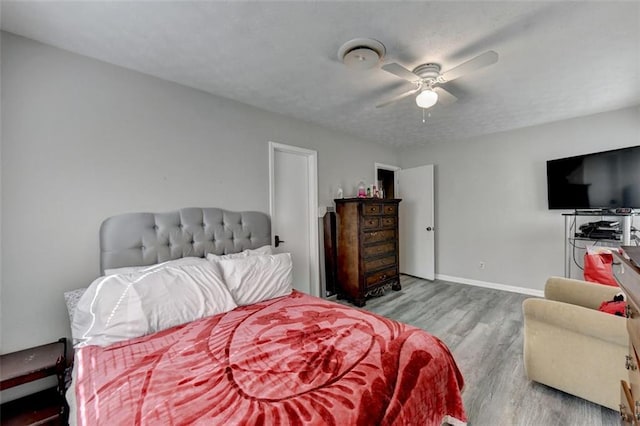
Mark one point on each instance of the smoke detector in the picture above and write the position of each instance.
(361, 53)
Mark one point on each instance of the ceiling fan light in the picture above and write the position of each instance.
(427, 98)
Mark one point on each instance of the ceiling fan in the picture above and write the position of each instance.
(429, 80)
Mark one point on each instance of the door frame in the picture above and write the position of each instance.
(394, 169)
(312, 199)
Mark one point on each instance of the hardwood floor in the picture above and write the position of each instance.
(483, 329)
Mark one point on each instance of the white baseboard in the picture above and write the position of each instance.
(495, 286)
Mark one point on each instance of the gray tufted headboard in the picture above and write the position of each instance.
(139, 239)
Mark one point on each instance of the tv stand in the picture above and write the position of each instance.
(571, 226)
(591, 212)
(605, 212)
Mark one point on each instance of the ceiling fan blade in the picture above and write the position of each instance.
(400, 71)
(397, 98)
(480, 61)
(445, 97)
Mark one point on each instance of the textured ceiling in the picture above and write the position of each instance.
(558, 60)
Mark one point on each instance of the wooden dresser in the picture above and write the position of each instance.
(628, 276)
(367, 247)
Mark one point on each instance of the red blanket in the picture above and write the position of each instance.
(288, 361)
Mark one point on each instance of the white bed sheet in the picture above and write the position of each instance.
(70, 396)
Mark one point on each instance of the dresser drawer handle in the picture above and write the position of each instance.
(624, 416)
(373, 234)
(628, 312)
(629, 364)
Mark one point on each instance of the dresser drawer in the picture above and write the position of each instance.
(390, 209)
(371, 222)
(371, 209)
(388, 222)
(380, 277)
(372, 265)
(375, 236)
(380, 249)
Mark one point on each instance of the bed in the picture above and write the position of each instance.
(267, 355)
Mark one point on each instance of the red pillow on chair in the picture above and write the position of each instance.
(615, 306)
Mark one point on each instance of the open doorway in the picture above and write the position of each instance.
(385, 176)
(386, 181)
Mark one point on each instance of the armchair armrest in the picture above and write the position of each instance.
(578, 319)
(576, 292)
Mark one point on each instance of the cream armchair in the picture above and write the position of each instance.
(571, 346)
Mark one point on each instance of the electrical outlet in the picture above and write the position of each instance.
(481, 265)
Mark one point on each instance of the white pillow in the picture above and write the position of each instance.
(123, 306)
(134, 269)
(253, 279)
(261, 251)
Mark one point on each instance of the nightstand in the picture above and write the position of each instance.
(17, 368)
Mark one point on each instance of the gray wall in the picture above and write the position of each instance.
(83, 140)
(491, 196)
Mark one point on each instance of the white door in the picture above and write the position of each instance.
(293, 209)
(417, 239)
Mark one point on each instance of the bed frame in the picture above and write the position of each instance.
(140, 239)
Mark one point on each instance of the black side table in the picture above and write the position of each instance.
(45, 407)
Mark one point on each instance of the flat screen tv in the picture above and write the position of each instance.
(603, 180)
